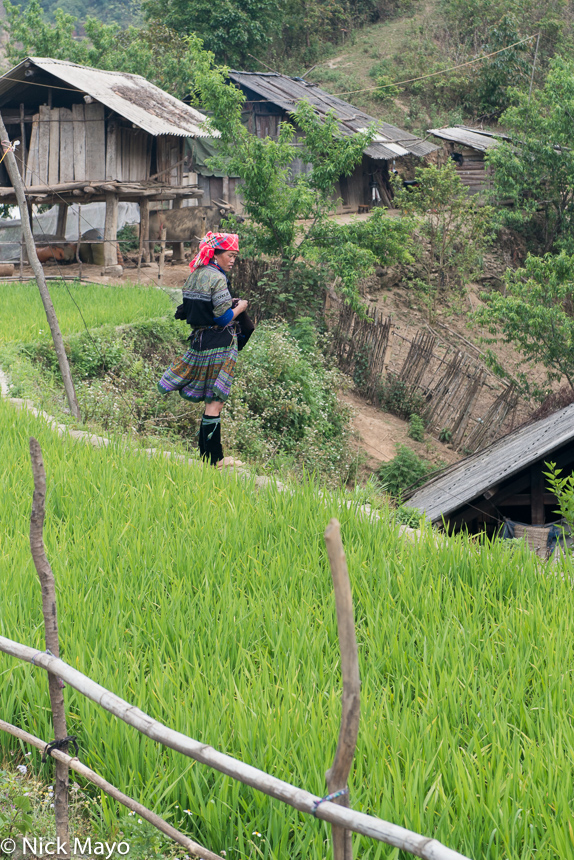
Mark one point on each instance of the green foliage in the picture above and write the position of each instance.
(445, 436)
(409, 517)
(454, 228)
(401, 399)
(23, 319)
(416, 428)
(563, 489)
(15, 817)
(128, 238)
(158, 53)
(536, 314)
(282, 679)
(288, 215)
(405, 471)
(231, 29)
(284, 407)
(535, 171)
(214, 597)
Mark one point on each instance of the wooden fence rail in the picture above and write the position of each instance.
(304, 801)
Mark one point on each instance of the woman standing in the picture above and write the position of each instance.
(205, 371)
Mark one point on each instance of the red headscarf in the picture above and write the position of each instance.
(207, 246)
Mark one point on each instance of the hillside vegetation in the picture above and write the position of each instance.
(210, 606)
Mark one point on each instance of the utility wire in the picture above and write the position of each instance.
(441, 72)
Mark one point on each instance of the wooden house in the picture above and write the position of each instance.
(87, 134)
(503, 482)
(271, 99)
(467, 148)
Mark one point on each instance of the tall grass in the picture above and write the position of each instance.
(22, 316)
(210, 606)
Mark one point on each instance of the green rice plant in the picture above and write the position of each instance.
(210, 606)
(22, 316)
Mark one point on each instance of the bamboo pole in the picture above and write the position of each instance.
(162, 237)
(338, 773)
(193, 847)
(18, 185)
(50, 613)
(304, 801)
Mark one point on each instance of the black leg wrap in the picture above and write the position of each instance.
(210, 439)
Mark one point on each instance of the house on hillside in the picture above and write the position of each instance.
(271, 98)
(503, 482)
(88, 135)
(467, 148)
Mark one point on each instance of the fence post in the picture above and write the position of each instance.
(52, 642)
(338, 773)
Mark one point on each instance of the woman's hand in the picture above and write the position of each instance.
(240, 307)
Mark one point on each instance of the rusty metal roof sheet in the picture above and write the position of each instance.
(474, 138)
(466, 481)
(389, 142)
(131, 96)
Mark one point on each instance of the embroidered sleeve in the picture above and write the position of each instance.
(220, 297)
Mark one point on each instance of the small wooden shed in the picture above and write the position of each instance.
(503, 481)
(271, 99)
(467, 148)
(87, 134)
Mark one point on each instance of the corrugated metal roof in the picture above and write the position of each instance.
(474, 138)
(130, 96)
(467, 480)
(390, 141)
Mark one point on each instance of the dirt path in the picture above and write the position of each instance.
(379, 433)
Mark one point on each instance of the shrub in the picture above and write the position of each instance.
(405, 471)
(401, 399)
(416, 428)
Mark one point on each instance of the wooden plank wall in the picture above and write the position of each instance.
(66, 145)
(134, 155)
(169, 154)
(472, 171)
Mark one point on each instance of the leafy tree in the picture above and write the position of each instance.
(288, 216)
(154, 51)
(536, 315)
(231, 29)
(536, 170)
(453, 226)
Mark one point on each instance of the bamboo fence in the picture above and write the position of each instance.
(333, 808)
(463, 398)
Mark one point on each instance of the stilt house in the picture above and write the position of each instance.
(271, 99)
(87, 135)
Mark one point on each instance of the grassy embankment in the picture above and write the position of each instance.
(210, 607)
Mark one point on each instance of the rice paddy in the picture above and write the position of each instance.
(210, 606)
(22, 316)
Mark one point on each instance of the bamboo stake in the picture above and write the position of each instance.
(193, 847)
(18, 185)
(338, 773)
(304, 801)
(162, 237)
(49, 610)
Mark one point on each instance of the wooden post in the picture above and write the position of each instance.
(191, 846)
(18, 185)
(178, 254)
(23, 158)
(62, 220)
(78, 256)
(49, 610)
(162, 235)
(111, 233)
(144, 251)
(338, 774)
(537, 494)
(375, 828)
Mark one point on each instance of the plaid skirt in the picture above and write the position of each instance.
(202, 374)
